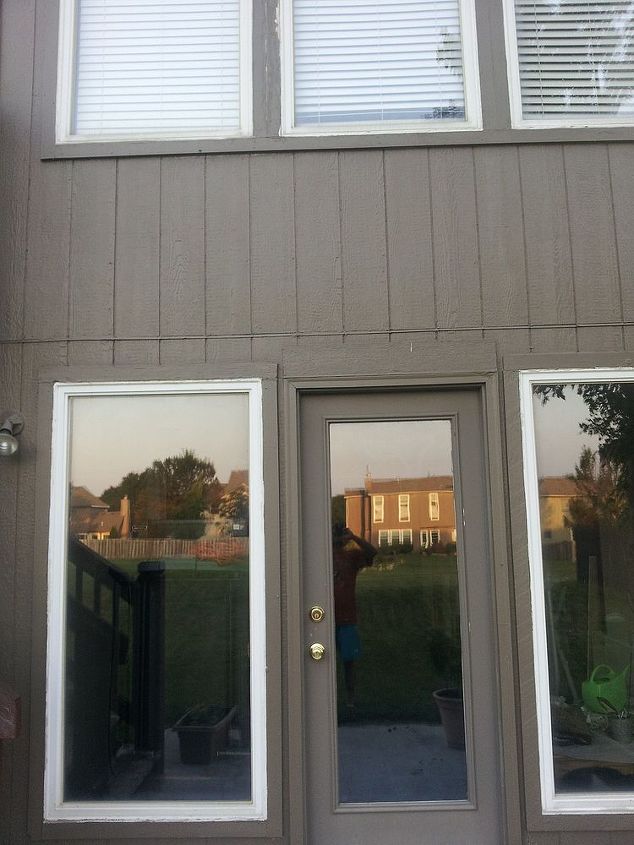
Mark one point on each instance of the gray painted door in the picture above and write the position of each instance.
(395, 550)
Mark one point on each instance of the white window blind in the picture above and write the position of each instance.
(576, 59)
(363, 61)
(157, 68)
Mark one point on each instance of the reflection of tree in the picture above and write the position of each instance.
(601, 498)
(610, 417)
(235, 506)
(169, 497)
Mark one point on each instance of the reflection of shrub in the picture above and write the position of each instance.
(450, 548)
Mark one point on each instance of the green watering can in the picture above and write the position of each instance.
(605, 691)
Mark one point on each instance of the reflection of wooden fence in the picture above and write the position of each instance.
(222, 548)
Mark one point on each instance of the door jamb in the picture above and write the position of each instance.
(294, 386)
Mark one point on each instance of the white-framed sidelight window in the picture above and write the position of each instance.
(579, 481)
(156, 662)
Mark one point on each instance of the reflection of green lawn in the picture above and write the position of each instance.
(206, 632)
(408, 619)
(408, 623)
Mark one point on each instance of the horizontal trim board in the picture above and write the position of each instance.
(439, 330)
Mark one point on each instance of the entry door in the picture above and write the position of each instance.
(401, 729)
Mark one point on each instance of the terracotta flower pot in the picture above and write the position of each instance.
(451, 708)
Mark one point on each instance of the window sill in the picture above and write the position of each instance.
(278, 144)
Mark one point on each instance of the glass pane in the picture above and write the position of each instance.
(576, 61)
(585, 460)
(157, 689)
(377, 62)
(400, 713)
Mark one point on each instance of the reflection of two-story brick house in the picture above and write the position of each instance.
(390, 511)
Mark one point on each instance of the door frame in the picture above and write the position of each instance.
(381, 367)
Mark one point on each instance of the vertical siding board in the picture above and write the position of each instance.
(227, 245)
(319, 293)
(92, 248)
(273, 288)
(47, 264)
(228, 349)
(136, 353)
(182, 271)
(86, 352)
(136, 283)
(364, 249)
(16, 81)
(622, 179)
(410, 256)
(597, 291)
(190, 351)
(500, 226)
(10, 368)
(36, 357)
(455, 234)
(548, 254)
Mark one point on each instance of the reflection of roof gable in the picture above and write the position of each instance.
(428, 484)
(97, 521)
(558, 485)
(81, 497)
(237, 478)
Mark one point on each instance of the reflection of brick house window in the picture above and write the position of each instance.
(403, 507)
(377, 509)
(434, 507)
(395, 536)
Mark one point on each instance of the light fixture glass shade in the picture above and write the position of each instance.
(8, 443)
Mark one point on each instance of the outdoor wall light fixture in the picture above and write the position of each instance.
(12, 424)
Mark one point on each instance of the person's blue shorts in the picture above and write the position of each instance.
(348, 642)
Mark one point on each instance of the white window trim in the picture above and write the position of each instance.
(55, 808)
(66, 86)
(552, 804)
(376, 507)
(434, 511)
(515, 90)
(424, 538)
(404, 498)
(471, 79)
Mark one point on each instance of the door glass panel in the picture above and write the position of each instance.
(399, 690)
(157, 675)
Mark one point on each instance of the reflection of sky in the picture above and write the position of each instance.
(115, 435)
(396, 449)
(558, 438)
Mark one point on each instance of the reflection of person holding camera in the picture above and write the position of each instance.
(348, 560)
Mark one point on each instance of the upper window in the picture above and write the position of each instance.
(403, 507)
(153, 69)
(434, 506)
(377, 509)
(353, 66)
(579, 477)
(571, 64)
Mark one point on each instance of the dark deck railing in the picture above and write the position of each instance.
(114, 700)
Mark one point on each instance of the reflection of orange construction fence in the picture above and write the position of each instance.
(220, 549)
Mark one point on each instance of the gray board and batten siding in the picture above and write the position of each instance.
(203, 260)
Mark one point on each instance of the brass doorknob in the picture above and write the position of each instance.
(317, 651)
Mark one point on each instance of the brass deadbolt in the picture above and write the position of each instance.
(317, 613)
(317, 651)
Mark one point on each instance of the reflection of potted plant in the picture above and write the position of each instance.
(203, 731)
(620, 726)
(446, 659)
